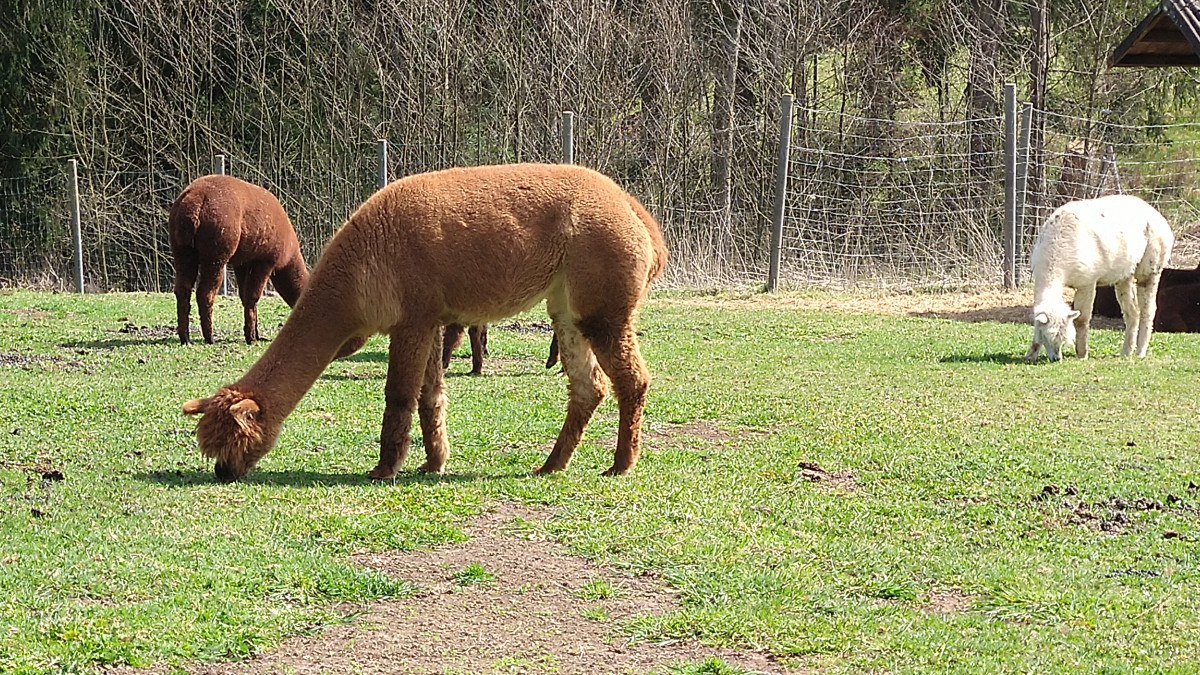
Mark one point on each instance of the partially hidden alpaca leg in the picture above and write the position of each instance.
(1127, 297)
(478, 335)
(451, 339)
(587, 387)
(1085, 298)
(1147, 296)
(252, 282)
(408, 354)
(1034, 348)
(552, 357)
(431, 406)
(187, 265)
(615, 345)
(206, 294)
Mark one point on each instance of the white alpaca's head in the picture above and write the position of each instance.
(1053, 327)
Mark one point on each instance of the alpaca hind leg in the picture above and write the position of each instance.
(1127, 297)
(407, 356)
(252, 282)
(1147, 295)
(478, 335)
(431, 406)
(451, 339)
(587, 388)
(615, 345)
(552, 358)
(187, 266)
(206, 294)
(1085, 298)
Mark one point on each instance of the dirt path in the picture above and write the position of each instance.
(506, 601)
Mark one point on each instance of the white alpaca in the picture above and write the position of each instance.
(1118, 241)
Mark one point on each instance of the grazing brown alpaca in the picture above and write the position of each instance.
(452, 338)
(530, 231)
(219, 221)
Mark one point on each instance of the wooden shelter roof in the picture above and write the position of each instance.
(1168, 36)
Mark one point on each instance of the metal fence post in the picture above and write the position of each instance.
(781, 180)
(76, 227)
(1010, 186)
(568, 137)
(219, 169)
(1022, 179)
(383, 163)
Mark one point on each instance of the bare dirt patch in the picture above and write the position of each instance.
(1116, 515)
(971, 306)
(700, 429)
(944, 603)
(813, 473)
(507, 601)
(147, 331)
(29, 314)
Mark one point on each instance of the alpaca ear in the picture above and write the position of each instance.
(244, 412)
(1041, 318)
(195, 406)
(1073, 315)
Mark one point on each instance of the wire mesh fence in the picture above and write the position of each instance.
(869, 202)
(890, 201)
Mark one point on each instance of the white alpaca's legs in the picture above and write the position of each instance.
(1084, 299)
(1127, 297)
(1147, 292)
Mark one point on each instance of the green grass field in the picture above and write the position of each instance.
(1002, 517)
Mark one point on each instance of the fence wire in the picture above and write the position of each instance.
(870, 202)
(878, 201)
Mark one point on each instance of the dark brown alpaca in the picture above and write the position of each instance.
(1178, 309)
(530, 232)
(452, 338)
(219, 221)
(1106, 303)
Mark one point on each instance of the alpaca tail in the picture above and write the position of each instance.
(184, 221)
(656, 239)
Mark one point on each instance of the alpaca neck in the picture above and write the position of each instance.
(1049, 291)
(305, 347)
(291, 279)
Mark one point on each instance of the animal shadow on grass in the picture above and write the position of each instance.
(992, 357)
(300, 478)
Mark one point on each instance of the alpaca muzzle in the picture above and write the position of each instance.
(227, 473)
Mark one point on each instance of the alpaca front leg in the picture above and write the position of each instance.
(1147, 295)
(451, 339)
(252, 283)
(1085, 298)
(478, 337)
(432, 409)
(407, 355)
(1034, 348)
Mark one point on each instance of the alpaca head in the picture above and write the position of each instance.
(1053, 327)
(233, 430)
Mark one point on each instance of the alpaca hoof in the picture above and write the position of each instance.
(475, 372)
(382, 473)
(428, 468)
(547, 469)
(616, 471)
